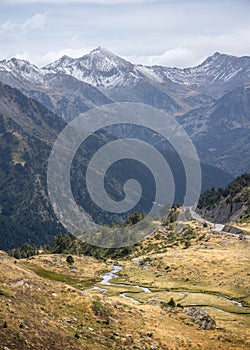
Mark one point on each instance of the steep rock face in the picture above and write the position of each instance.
(229, 204)
(225, 212)
(117, 78)
(100, 68)
(235, 231)
(20, 70)
(67, 96)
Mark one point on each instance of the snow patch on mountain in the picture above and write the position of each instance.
(22, 69)
(100, 68)
(218, 68)
(106, 71)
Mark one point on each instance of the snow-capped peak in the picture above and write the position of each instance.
(99, 59)
(21, 69)
(61, 62)
(17, 64)
(102, 51)
(100, 67)
(218, 68)
(106, 70)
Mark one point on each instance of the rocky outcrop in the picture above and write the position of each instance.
(201, 317)
(223, 213)
(234, 230)
(229, 204)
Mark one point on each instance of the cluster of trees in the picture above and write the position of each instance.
(69, 244)
(25, 251)
(236, 191)
(134, 219)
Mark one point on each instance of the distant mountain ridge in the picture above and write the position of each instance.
(120, 80)
(102, 63)
(216, 69)
(210, 100)
(102, 68)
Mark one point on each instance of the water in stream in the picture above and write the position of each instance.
(116, 269)
(113, 274)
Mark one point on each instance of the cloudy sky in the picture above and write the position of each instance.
(167, 32)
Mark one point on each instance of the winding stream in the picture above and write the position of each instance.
(113, 274)
(116, 269)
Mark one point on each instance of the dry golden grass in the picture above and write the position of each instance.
(53, 302)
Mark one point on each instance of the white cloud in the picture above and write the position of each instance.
(176, 57)
(7, 26)
(51, 56)
(37, 21)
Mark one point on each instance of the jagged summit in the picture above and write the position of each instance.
(21, 69)
(218, 57)
(100, 67)
(17, 63)
(90, 60)
(219, 68)
(106, 70)
(102, 50)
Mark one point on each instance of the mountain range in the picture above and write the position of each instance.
(212, 95)
(108, 78)
(211, 101)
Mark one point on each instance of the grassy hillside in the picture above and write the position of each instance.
(47, 303)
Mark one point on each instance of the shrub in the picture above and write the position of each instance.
(172, 302)
(70, 259)
(187, 244)
(99, 309)
(77, 335)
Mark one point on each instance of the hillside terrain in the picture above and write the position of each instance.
(28, 131)
(229, 204)
(47, 303)
(187, 285)
(220, 131)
